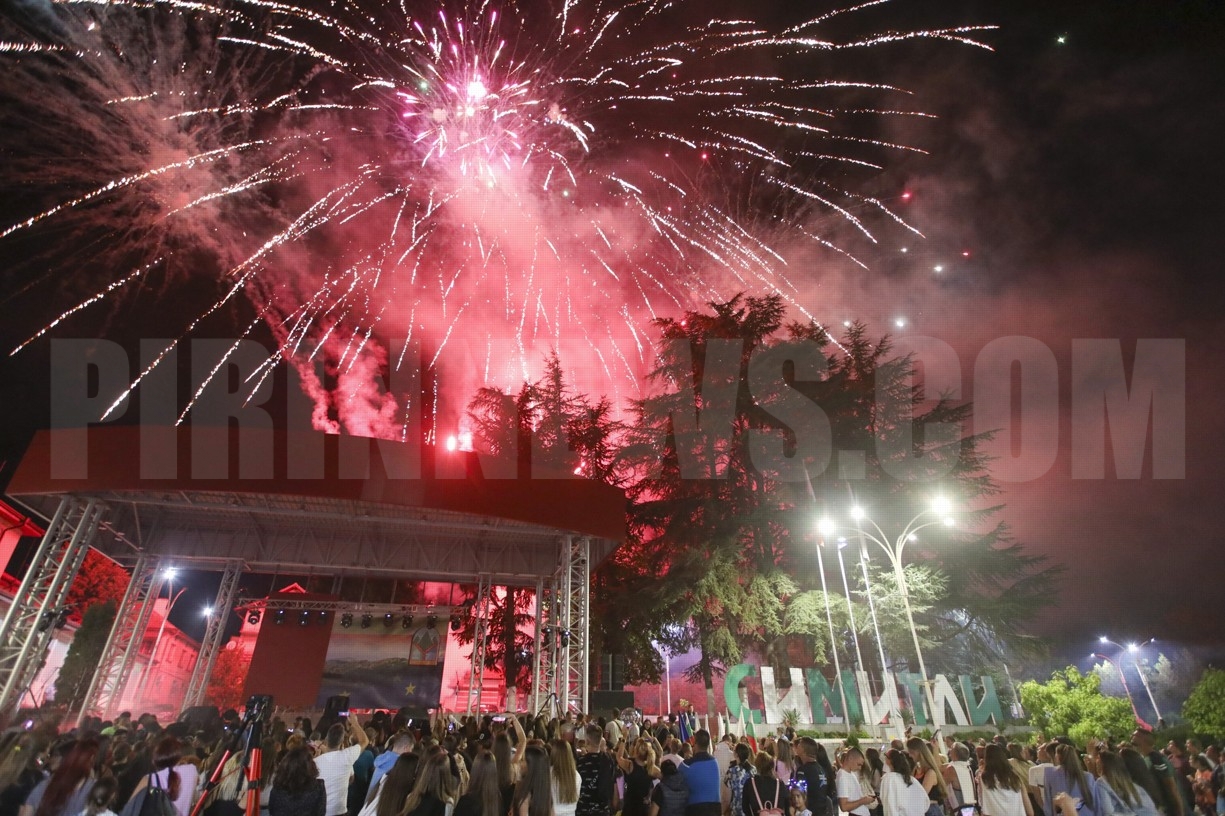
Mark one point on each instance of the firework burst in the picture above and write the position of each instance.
(491, 180)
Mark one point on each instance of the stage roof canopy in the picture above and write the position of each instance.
(304, 503)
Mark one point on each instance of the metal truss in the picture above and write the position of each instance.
(28, 627)
(575, 606)
(109, 682)
(214, 635)
(247, 605)
(541, 668)
(480, 611)
(344, 538)
(563, 612)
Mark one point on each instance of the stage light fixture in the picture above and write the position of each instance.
(457, 623)
(346, 620)
(407, 622)
(367, 620)
(253, 617)
(389, 620)
(323, 616)
(61, 620)
(431, 621)
(305, 618)
(565, 637)
(279, 617)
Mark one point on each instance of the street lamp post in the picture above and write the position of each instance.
(170, 593)
(825, 528)
(941, 509)
(880, 643)
(1119, 668)
(850, 611)
(667, 680)
(1133, 649)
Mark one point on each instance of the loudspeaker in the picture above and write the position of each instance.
(604, 702)
(201, 718)
(331, 712)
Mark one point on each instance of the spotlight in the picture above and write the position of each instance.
(346, 620)
(253, 617)
(565, 637)
(61, 621)
(431, 621)
(389, 620)
(367, 620)
(407, 622)
(305, 618)
(279, 617)
(323, 616)
(457, 623)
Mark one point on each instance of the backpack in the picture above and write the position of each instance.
(157, 800)
(774, 809)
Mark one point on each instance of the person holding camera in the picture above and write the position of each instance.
(335, 763)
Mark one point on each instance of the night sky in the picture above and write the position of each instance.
(1073, 189)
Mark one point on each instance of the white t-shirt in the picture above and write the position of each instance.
(900, 799)
(335, 768)
(850, 789)
(1037, 775)
(1001, 802)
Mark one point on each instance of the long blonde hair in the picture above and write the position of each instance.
(561, 762)
(1069, 760)
(929, 763)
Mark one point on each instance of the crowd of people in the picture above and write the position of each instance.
(515, 766)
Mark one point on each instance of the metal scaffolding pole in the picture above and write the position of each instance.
(538, 692)
(29, 625)
(214, 634)
(480, 641)
(110, 679)
(575, 634)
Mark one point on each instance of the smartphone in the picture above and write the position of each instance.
(968, 810)
(28, 725)
(344, 715)
(499, 719)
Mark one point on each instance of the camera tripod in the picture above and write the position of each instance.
(249, 737)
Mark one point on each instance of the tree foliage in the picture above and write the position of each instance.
(734, 546)
(1204, 709)
(99, 580)
(1072, 704)
(84, 654)
(545, 427)
(226, 682)
(728, 460)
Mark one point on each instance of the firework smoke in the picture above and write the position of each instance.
(491, 181)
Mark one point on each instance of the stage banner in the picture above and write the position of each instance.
(287, 658)
(385, 666)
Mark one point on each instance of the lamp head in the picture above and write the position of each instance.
(857, 513)
(1133, 648)
(1103, 639)
(208, 611)
(942, 506)
(169, 573)
(826, 526)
